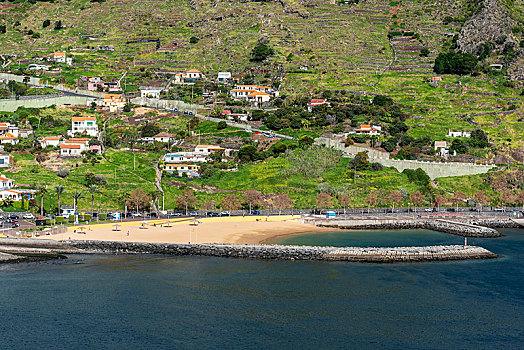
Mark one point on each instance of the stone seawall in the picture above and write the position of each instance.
(278, 252)
(465, 229)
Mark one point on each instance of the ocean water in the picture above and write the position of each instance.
(155, 302)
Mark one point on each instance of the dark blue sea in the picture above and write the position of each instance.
(155, 302)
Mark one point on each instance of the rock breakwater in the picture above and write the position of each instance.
(465, 229)
(279, 252)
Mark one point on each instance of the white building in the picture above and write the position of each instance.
(207, 149)
(441, 148)
(163, 137)
(82, 125)
(185, 157)
(190, 170)
(5, 183)
(259, 98)
(458, 134)
(8, 138)
(50, 141)
(189, 77)
(12, 129)
(224, 77)
(367, 129)
(67, 210)
(5, 161)
(151, 92)
(35, 66)
(70, 150)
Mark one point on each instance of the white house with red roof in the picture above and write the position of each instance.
(259, 98)
(316, 102)
(6, 128)
(74, 147)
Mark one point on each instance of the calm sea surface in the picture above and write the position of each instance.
(153, 302)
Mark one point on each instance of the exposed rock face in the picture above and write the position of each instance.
(490, 23)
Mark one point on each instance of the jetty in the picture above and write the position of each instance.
(472, 228)
(23, 247)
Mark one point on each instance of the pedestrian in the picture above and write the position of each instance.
(128, 232)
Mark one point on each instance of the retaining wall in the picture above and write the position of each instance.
(12, 105)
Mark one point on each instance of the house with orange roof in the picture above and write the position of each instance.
(70, 150)
(83, 125)
(6, 127)
(368, 129)
(114, 102)
(259, 98)
(6, 183)
(50, 141)
(61, 57)
(441, 148)
(190, 170)
(208, 149)
(8, 138)
(189, 77)
(17, 195)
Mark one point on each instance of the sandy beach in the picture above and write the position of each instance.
(239, 230)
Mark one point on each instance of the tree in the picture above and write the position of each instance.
(231, 202)
(248, 153)
(479, 139)
(186, 199)
(417, 198)
(360, 161)
(261, 52)
(439, 201)
(305, 141)
(458, 198)
(455, 63)
(59, 190)
(481, 199)
(3, 29)
(93, 189)
(324, 200)
(519, 198)
(395, 198)
(459, 146)
(149, 130)
(371, 199)
(254, 199)
(76, 196)
(46, 23)
(42, 191)
(193, 40)
(282, 201)
(139, 200)
(345, 201)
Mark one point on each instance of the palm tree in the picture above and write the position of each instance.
(93, 189)
(42, 191)
(59, 191)
(76, 196)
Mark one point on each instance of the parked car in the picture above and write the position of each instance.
(428, 209)
(136, 215)
(225, 213)
(194, 213)
(498, 209)
(28, 216)
(211, 213)
(174, 214)
(13, 216)
(255, 212)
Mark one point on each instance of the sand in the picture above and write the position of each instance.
(239, 230)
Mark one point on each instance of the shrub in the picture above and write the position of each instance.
(221, 125)
(102, 216)
(261, 52)
(193, 40)
(376, 167)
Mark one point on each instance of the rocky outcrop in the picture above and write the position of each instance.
(490, 23)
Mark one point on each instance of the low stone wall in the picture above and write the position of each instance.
(466, 229)
(278, 252)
